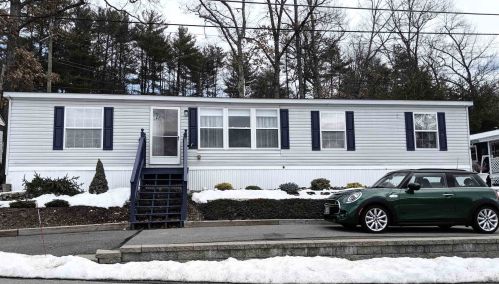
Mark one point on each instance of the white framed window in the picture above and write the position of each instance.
(426, 130)
(267, 128)
(227, 128)
(239, 128)
(333, 130)
(83, 127)
(211, 128)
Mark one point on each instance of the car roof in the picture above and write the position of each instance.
(433, 170)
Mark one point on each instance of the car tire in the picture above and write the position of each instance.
(445, 227)
(485, 220)
(375, 219)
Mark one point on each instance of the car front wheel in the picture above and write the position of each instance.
(375, 219)
(486, 220)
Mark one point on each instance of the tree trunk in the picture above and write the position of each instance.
(241, 76)
(12, 45)
(315, 60)
(299, 56)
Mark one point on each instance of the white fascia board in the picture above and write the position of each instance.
(76, 96)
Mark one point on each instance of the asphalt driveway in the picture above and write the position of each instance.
(66, 244)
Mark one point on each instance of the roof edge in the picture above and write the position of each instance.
(77, 96)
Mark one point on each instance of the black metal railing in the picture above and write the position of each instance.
(183, 213)
(138, 166)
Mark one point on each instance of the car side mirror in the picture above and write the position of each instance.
(413, 186)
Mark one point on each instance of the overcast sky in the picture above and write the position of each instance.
(174, 11)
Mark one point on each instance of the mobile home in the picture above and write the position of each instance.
(263, 142)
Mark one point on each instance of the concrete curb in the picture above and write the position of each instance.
(258, 222)
(64, 229)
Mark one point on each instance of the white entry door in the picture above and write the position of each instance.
(165, 142)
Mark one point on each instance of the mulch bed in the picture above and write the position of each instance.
(15, 218)
(225, 209)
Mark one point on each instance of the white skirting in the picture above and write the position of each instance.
(272, 177)
(207, 177)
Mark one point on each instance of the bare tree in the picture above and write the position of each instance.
(466, 58)
(366, 47)
(408, 19)
(276, 12)
(231, 21)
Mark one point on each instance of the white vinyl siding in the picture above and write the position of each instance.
(333, 130)
(83, 127)
(426, 130)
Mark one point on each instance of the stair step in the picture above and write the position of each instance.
(169, 206)
(156, 222)
(157, 214)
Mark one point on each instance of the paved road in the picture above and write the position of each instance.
(66, 244)
(279, 232)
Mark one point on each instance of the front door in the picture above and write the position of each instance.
(165, 129)
(434, 202)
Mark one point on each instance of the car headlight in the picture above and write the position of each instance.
(353, 197)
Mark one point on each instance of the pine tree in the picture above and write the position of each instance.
(99, 183)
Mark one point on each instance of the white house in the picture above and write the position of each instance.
(262, 142)
(485, 153)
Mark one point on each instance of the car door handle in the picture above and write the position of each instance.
(448, 194)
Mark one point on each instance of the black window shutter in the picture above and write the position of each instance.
(284, 128)
(409, 131)
(316, 131)
(193, 128)
(442, 131)
(58, 138)
(108, 128)
(350, 131)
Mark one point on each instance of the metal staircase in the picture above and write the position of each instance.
(158, 195)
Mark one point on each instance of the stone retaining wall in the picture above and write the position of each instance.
(349, 249)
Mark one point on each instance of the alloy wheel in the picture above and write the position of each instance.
(487, 219)
(376, 219)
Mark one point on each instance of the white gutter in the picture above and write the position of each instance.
(76, 96)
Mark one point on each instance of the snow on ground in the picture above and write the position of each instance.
(271, 270)
(113, 197)
(243, 194)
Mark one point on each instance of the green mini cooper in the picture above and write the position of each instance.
(421, 197)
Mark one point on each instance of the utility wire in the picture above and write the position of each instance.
(363, 8)
(259, 28)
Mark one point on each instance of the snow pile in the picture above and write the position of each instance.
(243, 194)
(271, 270)
(116, 197)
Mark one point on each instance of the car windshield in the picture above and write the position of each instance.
(392, 180)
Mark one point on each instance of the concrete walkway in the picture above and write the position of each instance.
(285, 232)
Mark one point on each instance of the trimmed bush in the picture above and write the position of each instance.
(320, 184)
(224, 186)
(354, 185)
(290, 188)
(99, 182)
(253, 187)
(224, 209)
(23, 204)
(45, 185)
(57, 203)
